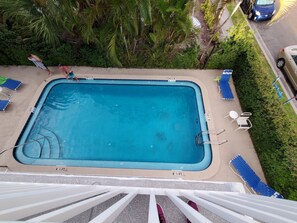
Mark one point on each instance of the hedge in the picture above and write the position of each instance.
(273, 132)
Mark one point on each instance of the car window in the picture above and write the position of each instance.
(265, 2)
(294, 58)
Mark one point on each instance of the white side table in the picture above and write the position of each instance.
(233, 115)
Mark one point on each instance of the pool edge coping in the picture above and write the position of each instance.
(204, 174)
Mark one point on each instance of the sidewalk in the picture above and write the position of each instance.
(225, 28)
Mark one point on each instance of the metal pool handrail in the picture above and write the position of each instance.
(199, 139)
(28, 142)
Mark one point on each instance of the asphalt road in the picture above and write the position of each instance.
(280, 34)
(272, 38)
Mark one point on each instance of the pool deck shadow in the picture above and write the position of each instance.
(239, 142)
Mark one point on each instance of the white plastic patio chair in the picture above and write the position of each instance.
(243, 123)
(246, 114)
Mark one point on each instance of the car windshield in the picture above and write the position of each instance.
(295, 58)
(265, 2)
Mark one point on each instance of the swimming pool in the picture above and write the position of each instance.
(117, 124)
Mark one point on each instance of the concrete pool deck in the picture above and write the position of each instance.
(239, 142)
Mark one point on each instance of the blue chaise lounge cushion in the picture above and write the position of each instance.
(252, 179)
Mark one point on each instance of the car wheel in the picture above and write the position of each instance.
(251, 16)
(280, 63)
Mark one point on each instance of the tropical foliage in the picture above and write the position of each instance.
(213, 11)
(212, 15)
(122, 30)
(209, 13)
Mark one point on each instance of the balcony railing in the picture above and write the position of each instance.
(36, 202)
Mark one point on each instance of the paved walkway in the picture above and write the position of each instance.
(239, 142)
(225, 28)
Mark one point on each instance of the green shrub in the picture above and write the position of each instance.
(273, 133)
(187, 59)
(179, 58)
(93, 56)
(14, 51)
(209, 13)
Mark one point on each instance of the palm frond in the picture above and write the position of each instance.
(185, 25)
(146, 11)
(38, 17)
(112, 51)
(44, 29)
(285, 6)
(8, 8)
(220, 7)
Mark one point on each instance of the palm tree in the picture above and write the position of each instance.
(40, 17)
(113, 24)
(163, 23)
(171, 25)
(219, 11)
(126, 21)
(80, 18)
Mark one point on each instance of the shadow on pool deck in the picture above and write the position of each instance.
(239, 142)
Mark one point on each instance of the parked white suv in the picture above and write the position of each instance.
(287, 60)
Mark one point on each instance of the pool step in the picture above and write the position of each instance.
(45, 149)
(33, 148)
(44, 145)
(52, 147)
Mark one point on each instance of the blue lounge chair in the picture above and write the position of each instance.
(3, 104)
(251, 178)
(10, 83)
(224, 85)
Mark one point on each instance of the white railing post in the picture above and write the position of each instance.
(153, 212)
(266, 207)
(189, 212)
(243, 209)
(29, 197)
(27, 210)
(20, 190)
(112, 212)
(283, 203)
(61, 202)
(70, 211)
(224, 213)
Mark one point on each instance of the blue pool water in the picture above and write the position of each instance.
(116, 124)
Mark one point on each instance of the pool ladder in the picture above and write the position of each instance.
(199, 138)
